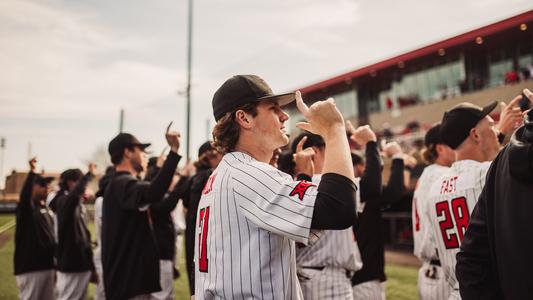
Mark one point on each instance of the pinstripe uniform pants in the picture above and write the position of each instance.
(72, 285)
(37, 285)
(329, 283)
(432, 284)
(370, 290)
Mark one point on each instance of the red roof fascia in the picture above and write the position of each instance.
(433, 48)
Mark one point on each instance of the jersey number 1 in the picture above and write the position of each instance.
(202, 240)
(459, 210)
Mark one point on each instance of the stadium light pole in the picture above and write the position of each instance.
(189, 67)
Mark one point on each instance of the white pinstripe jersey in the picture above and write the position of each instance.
(335, 248)
(421, 224)
(452, 199)
(249, 217)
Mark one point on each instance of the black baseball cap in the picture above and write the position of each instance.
(433, 136)
(313, 140)
(123, 141)
(43, 181)
(243, 89)
(457, 122)
(204, 148)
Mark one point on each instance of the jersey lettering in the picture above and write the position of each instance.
(202, 240)
(461, 218)
(209, 184)
(300, 189)
(449, 185)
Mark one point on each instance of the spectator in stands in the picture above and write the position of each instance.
(34, 239)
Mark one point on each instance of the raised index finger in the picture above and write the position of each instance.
(302, 107)
(300, 145)
(168, 127)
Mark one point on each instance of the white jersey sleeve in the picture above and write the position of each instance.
(424, 249)
(273, 200)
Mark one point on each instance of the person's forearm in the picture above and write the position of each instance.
(395, 188)
(337, 154)
(25, 193)
(161, 182)
(74, 197)
(370, 184)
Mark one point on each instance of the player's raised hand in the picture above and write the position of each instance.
(173, 139)
(391, 149)
(33, 164)
(511, 116)
(92, 168)
(362, 135)
(303, 159)
(323, 117)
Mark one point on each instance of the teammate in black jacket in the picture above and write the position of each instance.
(34, 239)
(74, 253)
(368, 228)
(130, 257)
(494, 261)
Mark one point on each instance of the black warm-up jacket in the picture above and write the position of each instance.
(368, 227)
(130, 257)
(494, 261)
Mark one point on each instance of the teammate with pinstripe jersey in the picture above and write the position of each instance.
(431, 281)
(325, 267)
(468, 130)
(250, 214)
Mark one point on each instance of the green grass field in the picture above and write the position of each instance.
(401, 283)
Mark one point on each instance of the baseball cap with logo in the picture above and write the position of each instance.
(457, 122)
(240, 90)
(123, 141)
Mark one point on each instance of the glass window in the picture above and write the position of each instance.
(347, 103)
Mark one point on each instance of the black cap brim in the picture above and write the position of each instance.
(143, 146)
(489, 108)
(281, 99)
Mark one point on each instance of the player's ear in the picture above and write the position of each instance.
(244, 119)
(474, 134)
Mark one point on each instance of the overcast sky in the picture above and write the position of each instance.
(69, 66)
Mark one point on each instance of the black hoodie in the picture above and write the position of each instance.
(34, 234)
(494, 261)
(74, 253)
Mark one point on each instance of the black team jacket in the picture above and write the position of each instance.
(74, 253)
(494, 260)
(368, 227)
(162, 223)
(130, 257)
(34, 234)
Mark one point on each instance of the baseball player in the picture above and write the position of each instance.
(494, 259)
(34, 239)
(431, 281)
(251, 214)
(74, 254)
(130, 257)
(470, 131)
(325, 268)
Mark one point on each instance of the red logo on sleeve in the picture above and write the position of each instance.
(209, 184)
(300, 189)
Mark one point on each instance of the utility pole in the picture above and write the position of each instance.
(189, 67)
(121, 121)
(2, 147)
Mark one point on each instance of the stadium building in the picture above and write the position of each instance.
(493, 62)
